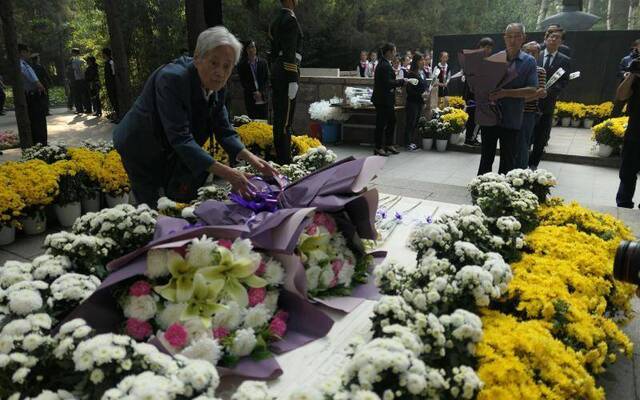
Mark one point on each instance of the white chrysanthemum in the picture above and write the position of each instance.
(69, 327)
(200, 374)
(252, 390)
(170, 314)
(244, 342)
(326, 277)
(141, 307)
(17, 327)
(274, 273)
(25, 301)
(204, 348)
(158, 263)
(196, 328)
(256, 317)
(271, 300)
(20, 375)
(49, 395)
(41, 320)
(306, 394)
(346, 274)
(32, 341)
(6, 344)
(242, 248)
(200, 253)
(229, 318)
(313, 277)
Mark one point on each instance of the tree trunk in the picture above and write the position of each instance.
(213, 12)
(120, 59)
(194, 10)
(19, 98)
(591, 6)
(631, 15)
(542, 13)
(609, 14)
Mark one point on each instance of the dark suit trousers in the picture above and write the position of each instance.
(254, 111)
(413, 112)
(81, 97)
(113, 97)
(385, 125)
(283, 110)
(490, 137)
(3, 97)
(541, 136)
(629, 169)
(37, 109)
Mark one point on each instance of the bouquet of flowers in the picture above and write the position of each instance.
(48, 154)
(215, 300)
(315, 158)
(171, 208)
(332, 268)
(324, 111)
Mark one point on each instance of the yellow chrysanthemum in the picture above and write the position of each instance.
(35, 181)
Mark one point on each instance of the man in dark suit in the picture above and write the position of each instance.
(551, 59)
(110, 83)
(286, 54)
(254, 77)
(43, 76)
(384, 99)
(181, 105)
(564, 48)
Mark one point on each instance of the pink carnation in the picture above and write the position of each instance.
(311, 229)
(337, 265)
(225, 243)
(326, 221)
(261, 269)
(220, 332)
(176, 335)
(283, 315)
(137, 329)
(257, 296)
(140, 288)
(278, 327)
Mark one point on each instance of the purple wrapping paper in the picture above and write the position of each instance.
(100, 310)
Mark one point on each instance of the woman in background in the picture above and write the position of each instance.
(442, 76)
(254, 77)
(415, 101)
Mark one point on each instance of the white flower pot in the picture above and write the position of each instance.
(34, 224)
(427, 144)
(456, 138)
(441, 144)
(588, 123)
(7, 235)
(565, 122)
(576, 122)
(68, 213)
(604, 150)
(91, 204)
(113, 201)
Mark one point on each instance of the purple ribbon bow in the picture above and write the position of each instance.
(264, 199)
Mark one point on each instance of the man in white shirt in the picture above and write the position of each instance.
(79, 85)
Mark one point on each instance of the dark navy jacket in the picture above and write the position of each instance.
(160, 139)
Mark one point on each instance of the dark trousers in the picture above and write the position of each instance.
(94, 91)
(112, 94)
(470, 127)
(37, 109)
(81, 98)
(283, 110)
(490, 137)
(541, 135)
(254, 111)
(413, 111)
(629, 169)
(3, 98)
(385, 125)
(617, 108)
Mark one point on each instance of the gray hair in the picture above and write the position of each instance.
(533, 43)
(516, 25)
(215, 37)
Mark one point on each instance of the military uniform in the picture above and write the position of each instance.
(286, 47)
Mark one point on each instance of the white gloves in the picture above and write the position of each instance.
(412, 81)
(293, 90)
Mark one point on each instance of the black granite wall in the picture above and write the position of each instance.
(596, 54)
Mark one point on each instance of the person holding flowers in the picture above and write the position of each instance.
(181, 106)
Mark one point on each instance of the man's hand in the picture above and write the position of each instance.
(258, 163)
(239, 181)
(541, 93)
(40, 87)
(497, 95)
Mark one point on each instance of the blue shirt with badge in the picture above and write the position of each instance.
(30, 77)
(512, 108)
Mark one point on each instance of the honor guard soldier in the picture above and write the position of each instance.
(286, 46)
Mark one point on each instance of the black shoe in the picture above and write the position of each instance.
(473, 143)
(380, 152)
(392, 150)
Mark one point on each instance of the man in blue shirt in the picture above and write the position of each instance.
(510, 101)
(36, 98)
(181, 106)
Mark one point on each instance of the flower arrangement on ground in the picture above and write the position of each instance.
(213, 299)
(457, 102)
(323, 111)
(48, 154)
(443, 123)
(11, 204)
(610, 132)
(332, 268)
(34, 181)
(114, 179)
(70, 181)
(90, 162)
(8, 140)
